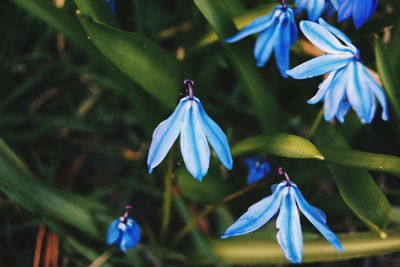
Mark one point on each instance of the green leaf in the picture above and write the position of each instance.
(357, 187)
(19, 185)
(387, 75)
(263, 105)
(210, 190)
(284, 145)
(361, 159)
(98, 10)
(356, 245)
(142, 60)
(291, 146)
(393, 49)
(363, 196)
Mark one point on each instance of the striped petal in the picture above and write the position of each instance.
(258, 214)
(322, 89)
(322, 38)
(362, 10)
(257, 25)
(194, 146)
(315, 216)
(215, 136)
(357, 93)
(264, 45)
(339, 34)
(289, 235)
(165, 135)
(377, 90)
(319, 66)
(282, 46)
(315, 9)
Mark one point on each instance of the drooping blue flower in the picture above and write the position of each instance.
(258, 168)
(315, 8)
(348, 84)
(278, 31)
(285, 199)
(124, 232)
(360, 10)
(112, 5)
(195, 127)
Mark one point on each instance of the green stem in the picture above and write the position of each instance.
(210, 208)
(166, 209)
(315, 124)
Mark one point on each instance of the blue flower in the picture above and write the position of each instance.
(278, 31)
(360, 10)
(348, 84)
(258, 168)
(195, 127)
(124, 231)
(112, 5)
(315, 8)
(285, 199)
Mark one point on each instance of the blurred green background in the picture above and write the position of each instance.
(82, 92)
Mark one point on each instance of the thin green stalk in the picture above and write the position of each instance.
(315, 124)
(166, 209)
(210, 208)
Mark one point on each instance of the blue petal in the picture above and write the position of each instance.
(255, 26)
(264, 45)
(165, 135)
(194, 146)
(322, 38)
(336, 3)
(377, 90)
(294, 32)
(316, 218)
(282, 46)
(258, 214)
(339, 34)
(319, 66)
(342, 111)
(345, 10)
(315, 9)
(322, 89)
(336, 93)
(215, 136)
(357, 93)
(289, 235)
(113, 232)
(362, 10)
(131, 236)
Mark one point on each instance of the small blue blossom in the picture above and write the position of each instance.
(315, 8)
(285, 199)
(278, 31)
(348, 84)
(258, 168)
(195, 127)
(124, 231)
(360, 10)
(112, 5)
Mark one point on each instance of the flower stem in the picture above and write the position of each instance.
(210, 208)
(315, 124)
(166, 209)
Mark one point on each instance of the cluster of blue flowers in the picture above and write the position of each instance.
(349, 84)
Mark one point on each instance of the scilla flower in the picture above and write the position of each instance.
(360, 10)
(278, 31)
(285, 199)
(124, 231)
(196, 128)
(315, 8)
(258, 168)
(348, 84)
